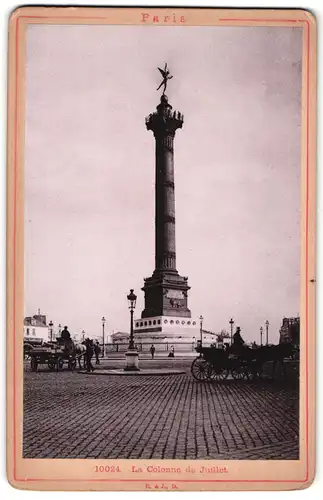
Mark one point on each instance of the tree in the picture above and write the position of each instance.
(222, 335)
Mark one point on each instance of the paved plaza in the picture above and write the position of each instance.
(73, 415)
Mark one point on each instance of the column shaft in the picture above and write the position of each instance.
(165, 251)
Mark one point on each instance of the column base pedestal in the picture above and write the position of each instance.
(132, 361)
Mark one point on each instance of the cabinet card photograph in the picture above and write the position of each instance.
(161, 249)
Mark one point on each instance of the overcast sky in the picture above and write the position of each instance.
(89, 171)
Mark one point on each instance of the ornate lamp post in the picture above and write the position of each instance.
(231, 323)
(132, 360)
(201, 328)
(51, 324)
(103, 323)
(267, 327)
(132, 298)
(261, 334)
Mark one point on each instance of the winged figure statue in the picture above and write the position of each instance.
(166, 76)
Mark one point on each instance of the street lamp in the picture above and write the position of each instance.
(103, 323)
(261, 334)
(131, 304)
(83, 335)
(51, 324)
(132, 360)
(59, 329)
(267, 327)
(231, 323)
(201, 328)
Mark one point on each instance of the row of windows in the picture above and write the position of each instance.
(28, 332)
(154, 322)
(183, 322)
(145, 323)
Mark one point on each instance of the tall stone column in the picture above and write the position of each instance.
(165, 291)
(164, 124)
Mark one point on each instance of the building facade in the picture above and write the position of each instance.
(290, 331)
(163, 339)
(35, 329)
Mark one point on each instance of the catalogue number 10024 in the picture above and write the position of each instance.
(107, 468)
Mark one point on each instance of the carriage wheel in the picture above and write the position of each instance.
(33, 364)
(200, 369)
(238, 372)
(218, 373)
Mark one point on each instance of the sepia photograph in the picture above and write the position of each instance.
(162, 242)
(164, 277)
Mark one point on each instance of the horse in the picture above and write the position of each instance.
(254, 359)
(80, 350)
(275, 353)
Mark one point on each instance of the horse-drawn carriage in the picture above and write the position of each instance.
(54, 356)
(217, 364)
(238, 361)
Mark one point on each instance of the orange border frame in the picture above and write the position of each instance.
(12, 333)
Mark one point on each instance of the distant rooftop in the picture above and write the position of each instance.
(35, 321)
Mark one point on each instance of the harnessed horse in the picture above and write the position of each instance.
(256, 358)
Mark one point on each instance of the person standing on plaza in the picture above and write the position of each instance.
(172, 352)
(89, 355)
(97, 351)
(152, 351)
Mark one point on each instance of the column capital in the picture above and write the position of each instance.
(164, 121)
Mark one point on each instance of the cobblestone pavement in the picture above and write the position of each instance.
(72, 415)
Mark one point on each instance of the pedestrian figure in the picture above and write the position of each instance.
(172, 352)
(152, 350)
(89, 355)
(97, 351)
